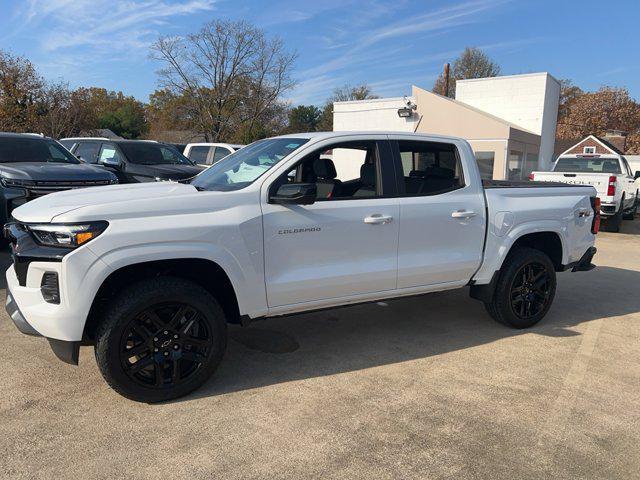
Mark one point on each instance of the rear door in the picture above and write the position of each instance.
(442, 214)
(343, 245)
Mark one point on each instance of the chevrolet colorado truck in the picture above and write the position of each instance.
(151, 274)
(610, 175)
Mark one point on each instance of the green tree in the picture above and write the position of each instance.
(304, 118)
(128, 120)
(472, 63)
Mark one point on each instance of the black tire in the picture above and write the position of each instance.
(631, 213)
(160, 339)
(522, 266)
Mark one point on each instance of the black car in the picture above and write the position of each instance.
(134, 161)
(32, 166)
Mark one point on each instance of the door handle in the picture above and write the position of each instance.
(377, 219)
(463, 214)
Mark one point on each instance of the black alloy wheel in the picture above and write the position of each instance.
(525, 288)
(530, 290)
(165, 345)
(160, 339)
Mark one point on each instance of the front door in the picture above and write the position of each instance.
(345, 244)
(442, 213)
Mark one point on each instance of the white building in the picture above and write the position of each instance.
(529, 101)
(509, 121)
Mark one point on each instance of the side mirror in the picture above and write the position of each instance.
(295, 194)
(111, 162)
(637, 175)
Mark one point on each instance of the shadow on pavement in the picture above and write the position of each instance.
(364, 336)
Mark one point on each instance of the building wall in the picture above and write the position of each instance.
(529, 101)
(375, 114)
(578, 148)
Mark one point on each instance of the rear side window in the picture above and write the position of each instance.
(219, 154)
(199, 153)
(430, 168)
(587, 165)
(88, 151)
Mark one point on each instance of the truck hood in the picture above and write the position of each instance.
(49, 171)
(170, 171)
(103, 203)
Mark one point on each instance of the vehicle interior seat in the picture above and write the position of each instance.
(326, 183)
(432, 179)
(367, 181)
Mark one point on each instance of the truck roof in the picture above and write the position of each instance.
(342, 133)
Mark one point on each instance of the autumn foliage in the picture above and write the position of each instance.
(609, 108)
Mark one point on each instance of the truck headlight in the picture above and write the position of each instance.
(69, 236)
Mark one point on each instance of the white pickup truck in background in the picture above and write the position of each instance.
(151, 273)
(609, 174)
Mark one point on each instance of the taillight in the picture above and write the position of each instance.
(531, 176)
(595, 225)
(611, 191)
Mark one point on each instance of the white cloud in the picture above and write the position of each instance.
(371, 45)
(108, 25)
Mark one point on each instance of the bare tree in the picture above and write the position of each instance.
(472, 63)
(229, 73)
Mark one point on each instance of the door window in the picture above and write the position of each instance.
(219, 154)
(88, 151)
(341, 171)
(109, 151)
(430, 168)
(199, 154)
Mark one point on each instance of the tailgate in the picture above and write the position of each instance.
(598, 180)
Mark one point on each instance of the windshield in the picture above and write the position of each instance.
(13, 149)
(587, 165)
(151, 153)
(244, 166)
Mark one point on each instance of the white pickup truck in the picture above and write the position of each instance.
(150, 274)
(609, 174)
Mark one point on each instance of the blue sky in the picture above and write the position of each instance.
(390, 44)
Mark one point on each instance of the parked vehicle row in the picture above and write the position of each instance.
(134, 161)
(151, 274)
(32, 166)
(611, 176)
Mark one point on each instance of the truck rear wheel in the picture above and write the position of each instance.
(160, 339)
(525, 289)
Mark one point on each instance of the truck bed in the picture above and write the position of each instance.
(517, 208)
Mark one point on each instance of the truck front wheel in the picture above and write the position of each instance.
(525, 289)
(160, 339)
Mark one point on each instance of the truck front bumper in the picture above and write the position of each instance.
(68, 352)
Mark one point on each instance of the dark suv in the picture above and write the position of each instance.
(32, 166)
(134, 161)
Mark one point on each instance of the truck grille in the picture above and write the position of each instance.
(37, 188)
